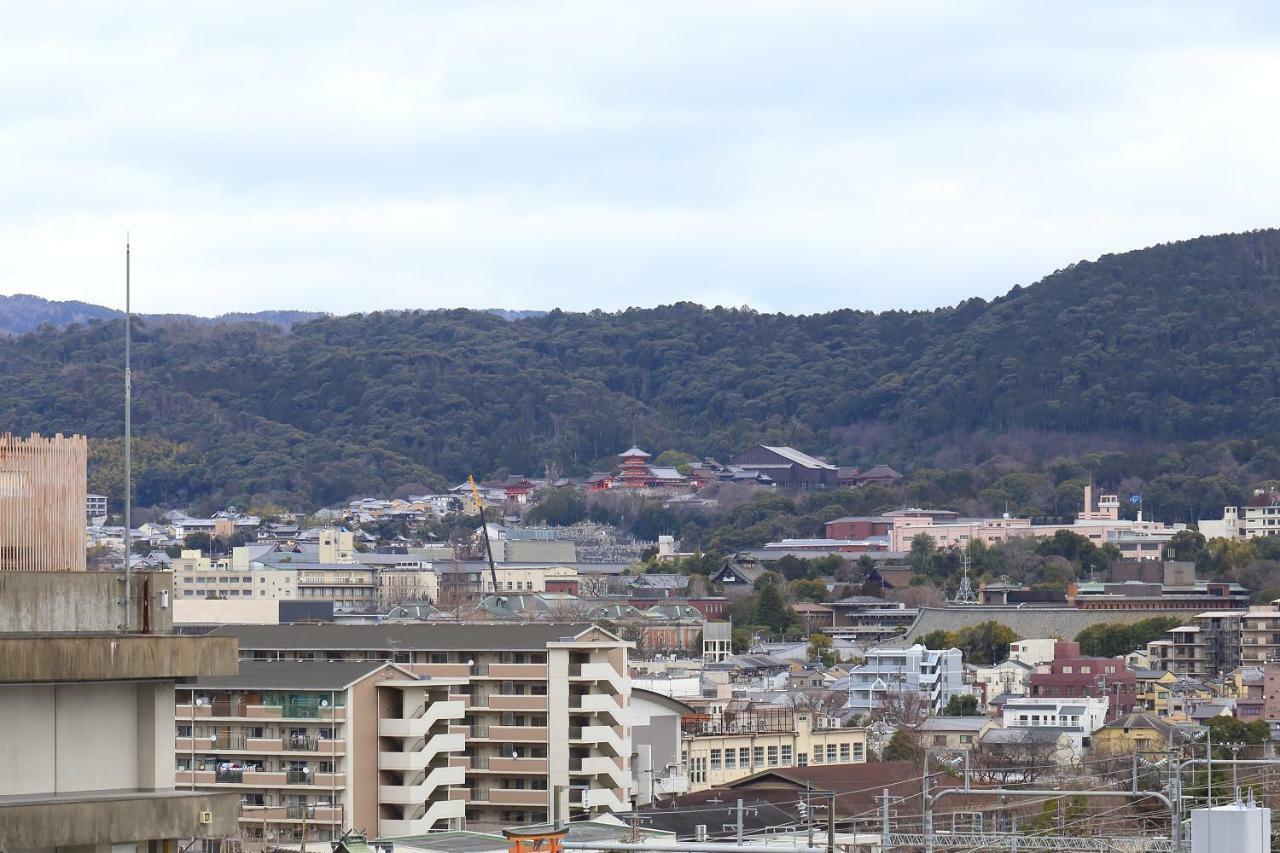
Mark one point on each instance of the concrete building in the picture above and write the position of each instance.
(42, 503)
(1260, 634)
(86, 700)
(1260, 516)
(95, 508)
(1033, 652)
(1071, 676)
(546, 728)
(1077, 718)
(936, 675)
(959, 733)
(721, 748)
(1210, 646)
(717, 641)
(865, 618)
(656, 769)
(320, 746)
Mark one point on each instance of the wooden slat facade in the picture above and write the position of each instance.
(42, 503)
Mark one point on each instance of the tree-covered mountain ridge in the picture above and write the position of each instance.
(1160, 346)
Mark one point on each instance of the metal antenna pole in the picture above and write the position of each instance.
(128, 439)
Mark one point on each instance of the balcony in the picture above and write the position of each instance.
(516, 797)
(618, 777)
(518, 670)
(442, 670)
(598, 703)
(499, 702)
(193, 777)
(294, 711)
(601, 672)
(257, 814)
(597, 735)
(516, 765)
(518, 734)
(263, 744)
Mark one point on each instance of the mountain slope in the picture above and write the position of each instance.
(1169, 344)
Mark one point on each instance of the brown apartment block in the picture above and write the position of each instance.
(42, 503)
(475, 725)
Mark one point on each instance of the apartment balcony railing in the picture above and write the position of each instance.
(518, 670)
(228, 776)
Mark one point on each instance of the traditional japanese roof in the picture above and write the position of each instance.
(634, 452)
(803, 459)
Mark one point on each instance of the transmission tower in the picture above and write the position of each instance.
(964, 592)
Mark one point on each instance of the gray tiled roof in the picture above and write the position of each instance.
(293, 675)
(401, 637)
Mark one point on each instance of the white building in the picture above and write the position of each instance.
(1033, 653)
(936, 675)
(1259, 517)
(1078, 718)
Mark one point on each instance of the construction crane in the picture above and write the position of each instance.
(484, 526)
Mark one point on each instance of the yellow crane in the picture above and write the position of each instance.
(484, 526)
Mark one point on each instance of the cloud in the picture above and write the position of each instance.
(797, 156)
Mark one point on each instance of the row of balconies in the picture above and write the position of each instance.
(501, 764)
(243, 710)
(290, 813)
(260, 778)
(496, 671)
(242, 743)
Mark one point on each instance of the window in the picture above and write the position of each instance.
(730, 759)
(786, 755)
(844, 747)
(715, 759)
(184, 731)
(966, 738)
(817, 755)
(857, 752)
(831, 753)
(1086, 670)
(757, 756)
(773, 756)
(1067, 670)
(802, 759)
(744, 758)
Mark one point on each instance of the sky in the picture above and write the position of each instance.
(795, 156)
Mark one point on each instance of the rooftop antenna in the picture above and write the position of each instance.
(128, 436)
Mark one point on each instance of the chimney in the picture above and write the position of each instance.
(1088, 496)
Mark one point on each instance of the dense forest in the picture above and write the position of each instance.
(1155, 363)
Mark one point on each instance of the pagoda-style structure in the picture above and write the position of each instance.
(633, 472)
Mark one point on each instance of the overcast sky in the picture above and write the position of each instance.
(795, 156)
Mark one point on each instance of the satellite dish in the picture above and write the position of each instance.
(324, 703)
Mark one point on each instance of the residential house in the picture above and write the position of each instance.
(958, 733)
(1071, 675)
(928, 676)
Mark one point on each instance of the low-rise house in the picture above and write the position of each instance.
(1137, 731)
(1078, 719)
(1155, 687)
(1009, 677)
(961, 733)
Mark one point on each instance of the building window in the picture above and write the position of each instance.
(817, 755)
(802, 759)
(757, 757)
(773, 756)
(744, 758)
(831, 753)
(844, 749)
(730, 759)
(715, 759)
(857, 752)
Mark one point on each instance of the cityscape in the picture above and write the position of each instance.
(700, 428)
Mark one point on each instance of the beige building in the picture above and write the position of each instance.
(317, 747)
(546, 729)
(42, 503)
(1260, 634)
(721, 748)
(954, 733)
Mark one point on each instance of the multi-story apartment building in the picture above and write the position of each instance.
(95, 508)
(719, 749)
(934, 675)
(1260, 634)
(1210, 646)
(1076, 718)
(546, 728)
(1260, 516)
(315, 747)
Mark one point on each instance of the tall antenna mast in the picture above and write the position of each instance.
(128, 439)
(964, 592)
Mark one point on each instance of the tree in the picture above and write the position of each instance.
(770, 610)
(821, 651)
(1111, 639)
(808, 590)
(197, 542)
(826, 703)
(740, 639)
(922, 552)
(938, 638)
(962, 705)
(904, 746)
(1185, 545)
(985, 643)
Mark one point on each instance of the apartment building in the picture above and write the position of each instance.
(315, 747)
(934, 675)
(722, 748)
(1260, 634)
(1260, 516)
(546, 729)
(1071, 675)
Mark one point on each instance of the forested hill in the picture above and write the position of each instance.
(1168, 344)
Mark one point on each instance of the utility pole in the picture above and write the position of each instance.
(128, 438)
(831, 822)
(926, 812)
(739, 834)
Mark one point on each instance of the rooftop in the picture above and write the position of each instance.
(495, 636)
